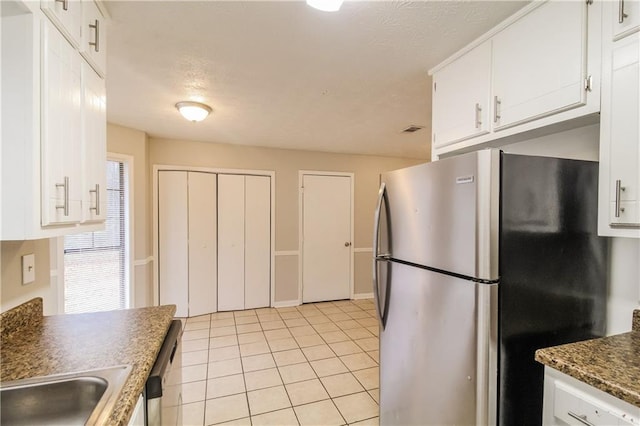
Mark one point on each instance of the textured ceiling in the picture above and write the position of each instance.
(281, 74)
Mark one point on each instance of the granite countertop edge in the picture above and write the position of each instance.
(610, 364)
(33, 346)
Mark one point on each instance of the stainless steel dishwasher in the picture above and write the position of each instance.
(157, 400)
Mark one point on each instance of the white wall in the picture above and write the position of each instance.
(624, 273)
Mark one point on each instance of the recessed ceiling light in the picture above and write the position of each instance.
(325, 5)
(193, 111)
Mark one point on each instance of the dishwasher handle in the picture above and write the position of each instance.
(153, 387)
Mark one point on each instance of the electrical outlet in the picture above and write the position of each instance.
(28, 268)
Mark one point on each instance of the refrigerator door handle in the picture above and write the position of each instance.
(377, 257)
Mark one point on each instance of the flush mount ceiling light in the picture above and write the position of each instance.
(325, 5)
(193, 111)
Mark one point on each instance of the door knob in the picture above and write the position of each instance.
(347, 244)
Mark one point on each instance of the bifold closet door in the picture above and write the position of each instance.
(173, 250)
(257, 249)
(231, 260)
(203, 273)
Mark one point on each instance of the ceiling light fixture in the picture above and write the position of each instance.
(325, 5)
(193, 111)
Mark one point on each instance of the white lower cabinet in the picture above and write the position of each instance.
(214, 241)
(568, 401)
(137, 417)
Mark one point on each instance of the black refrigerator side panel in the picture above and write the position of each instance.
(552, 272)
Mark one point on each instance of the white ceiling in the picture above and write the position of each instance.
(280, 74)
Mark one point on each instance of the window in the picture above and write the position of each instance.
(96, 265)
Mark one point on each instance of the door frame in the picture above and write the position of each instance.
(301, 175)
(213, 170)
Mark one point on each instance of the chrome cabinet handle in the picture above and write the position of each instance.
(619, 189)
(621, 14)
(65, 205)
(96, 42)
(97, 192)
(478, 116)
(582, 419)
(496, 104)
(65, 4)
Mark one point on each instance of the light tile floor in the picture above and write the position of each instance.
(315, 364)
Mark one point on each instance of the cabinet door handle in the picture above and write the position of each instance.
(621, 14)
(97, 192)
(582, 419)
(65, 4)
(478, 116)
(496, 105)
(65, 205)
(619, 189)
(96, 42)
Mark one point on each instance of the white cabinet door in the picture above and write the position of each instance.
(620, 121)
(93, 45)
(539, 64)
(61, 131)
(67, 16)
(257, 275)
(231, 240)
(173, 249)
(203, 273)
(461, 93)
(626, 19)
(94, 145)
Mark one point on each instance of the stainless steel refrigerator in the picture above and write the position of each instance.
(479, 260)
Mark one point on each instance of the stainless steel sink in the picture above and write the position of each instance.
(79, 398)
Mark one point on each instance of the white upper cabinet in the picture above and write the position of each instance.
(61, 144)
(461, 93)
(94, 146)
(93, 45)
(536, 72)
(539, 64)
(619, 196)
(54, 135)
(626, 18)
(66, 16)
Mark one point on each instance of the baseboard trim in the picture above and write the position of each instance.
(363, 296)
(286, 303)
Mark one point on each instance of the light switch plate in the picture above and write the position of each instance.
(28, 268)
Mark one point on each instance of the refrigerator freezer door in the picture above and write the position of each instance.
(443, 214)
(429, 371)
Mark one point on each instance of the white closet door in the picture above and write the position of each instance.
(230, 242)
(173, 254)
(257, 242)
(202, 244)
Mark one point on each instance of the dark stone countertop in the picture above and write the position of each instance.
(611, 364)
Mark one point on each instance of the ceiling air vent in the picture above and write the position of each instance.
(412, 129)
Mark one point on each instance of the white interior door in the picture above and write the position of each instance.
(231, 237)
(257, 242)
(203, 274)
(173, 250)
(326, 245)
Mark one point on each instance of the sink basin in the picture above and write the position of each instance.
(79, 398)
